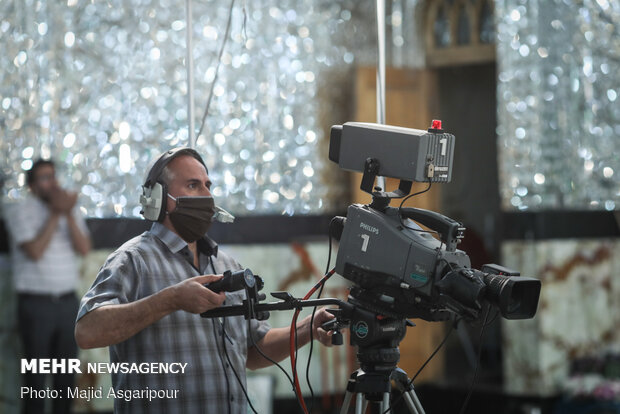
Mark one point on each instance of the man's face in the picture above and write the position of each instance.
(44, 183)
(189, 178)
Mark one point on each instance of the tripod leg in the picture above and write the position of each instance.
(347, 401)
(385, 404)
(413, 403)
(364, 406)
(348, 395)
(406, 387)
(360, 403)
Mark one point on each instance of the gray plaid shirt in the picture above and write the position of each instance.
(143, 266)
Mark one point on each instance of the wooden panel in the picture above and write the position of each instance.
(411, 101)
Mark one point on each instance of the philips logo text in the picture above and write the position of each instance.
(369, 228)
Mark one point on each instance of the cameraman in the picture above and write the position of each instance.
(146, 297)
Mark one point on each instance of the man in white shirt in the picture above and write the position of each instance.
(46, 231)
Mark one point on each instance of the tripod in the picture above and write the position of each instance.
(372, 382)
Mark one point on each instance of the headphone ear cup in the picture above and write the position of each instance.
(152, 200)
(162, 191)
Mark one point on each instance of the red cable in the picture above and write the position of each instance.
(300, 397)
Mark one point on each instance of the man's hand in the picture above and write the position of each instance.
(62, 201)
(275, 343)
(320, 317)
(192, 296)
(70, 200)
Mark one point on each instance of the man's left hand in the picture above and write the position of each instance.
(320, 317)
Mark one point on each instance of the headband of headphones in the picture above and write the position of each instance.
(154, 189)
(164, 159)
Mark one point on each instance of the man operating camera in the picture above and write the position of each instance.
(146, 297)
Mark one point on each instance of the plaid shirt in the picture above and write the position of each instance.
(143, 266)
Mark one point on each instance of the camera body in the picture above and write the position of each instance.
(377, 252)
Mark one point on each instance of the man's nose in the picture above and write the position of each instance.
(205, 191)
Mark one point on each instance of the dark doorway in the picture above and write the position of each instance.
(468, 107)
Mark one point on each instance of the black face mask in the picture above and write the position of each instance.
(192, 216)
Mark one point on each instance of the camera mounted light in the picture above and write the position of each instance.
(391, 151)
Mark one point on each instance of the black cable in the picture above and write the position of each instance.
(234, 371)
(219, 353)
(329, 252)
(434, 352)
(311, 341)
(255, 345)
(473, 380)
(245, 20)
(217, 67)
(414, 194)
(311, 347)
(329, 258)
(400, 207)
(217, 346)
(497, 312)
(443, 259)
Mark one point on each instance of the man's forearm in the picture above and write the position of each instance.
(111, 324)
(275, 344)
(81, 242)
(37, 246)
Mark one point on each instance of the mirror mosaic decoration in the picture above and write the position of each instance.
(559, 104)
(101, 87)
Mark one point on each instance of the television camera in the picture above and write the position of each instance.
(398, 269)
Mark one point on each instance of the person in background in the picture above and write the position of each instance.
(47, 233)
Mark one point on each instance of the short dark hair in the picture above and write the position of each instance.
(30, 174)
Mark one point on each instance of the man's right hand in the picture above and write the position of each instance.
(62, 201)
(192, 296)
